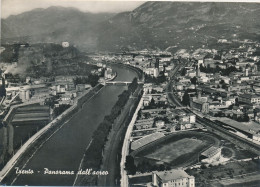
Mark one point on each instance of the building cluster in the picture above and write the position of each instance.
(152, 63)
(60, 89)
(156, 115)
(223, 84)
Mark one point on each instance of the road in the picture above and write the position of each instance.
(126, 144)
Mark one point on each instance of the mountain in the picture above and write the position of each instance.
(164, 25)
(183, 24)
(54, 24)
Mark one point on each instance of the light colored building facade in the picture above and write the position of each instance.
(172, 178)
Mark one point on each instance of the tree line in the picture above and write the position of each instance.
(218, 69)
(91, 79)
(99, 138)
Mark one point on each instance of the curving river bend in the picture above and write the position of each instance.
(65, 149)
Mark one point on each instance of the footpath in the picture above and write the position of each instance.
(125, 148)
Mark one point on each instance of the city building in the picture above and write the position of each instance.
(246, 130)
(249, 98)
(200, 105)
(210, 155)
(172, 178)
(144, 124)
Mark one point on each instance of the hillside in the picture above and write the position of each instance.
(151, 25)
(44, 60)
(183, 24)
(54, 24)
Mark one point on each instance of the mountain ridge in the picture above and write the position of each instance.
(151, 25)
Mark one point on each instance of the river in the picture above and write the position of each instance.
(65, 149)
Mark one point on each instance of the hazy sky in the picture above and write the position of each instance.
(12, 7)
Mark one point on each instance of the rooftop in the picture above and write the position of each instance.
(211, 151)
(146, 139)
(250, 96)
(250, 127)
(172, 175)
(144, 123)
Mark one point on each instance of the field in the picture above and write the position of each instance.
(172, 151)
(177, 150)
(183, 149)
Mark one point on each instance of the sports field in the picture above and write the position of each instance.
(180, 149)
(172, 151)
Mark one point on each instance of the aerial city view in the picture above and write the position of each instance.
(130, 93)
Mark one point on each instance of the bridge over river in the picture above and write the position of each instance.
(121, 82)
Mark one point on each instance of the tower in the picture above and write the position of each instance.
(199, 93)
(246, 72)
(157, 63)
(198, 70)
(156, 72)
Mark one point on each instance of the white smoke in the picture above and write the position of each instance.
(18, 68)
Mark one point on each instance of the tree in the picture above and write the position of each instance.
(183, 72)
(193, 80)
(2, 91)
(130, 165)
(51, 101)
(246, 118)
(230, 107)
(236, 102)
(186, 99)
(203, 166)
(152, 103)
(224, 86)
(218, 69)
(58, 110)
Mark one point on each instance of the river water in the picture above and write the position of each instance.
(65, 149)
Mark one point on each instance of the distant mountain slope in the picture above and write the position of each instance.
(151, 25)
(54, 24)
(164, 24)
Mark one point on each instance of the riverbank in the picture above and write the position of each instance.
(109, 155)
(113, 149)
(37, 140)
